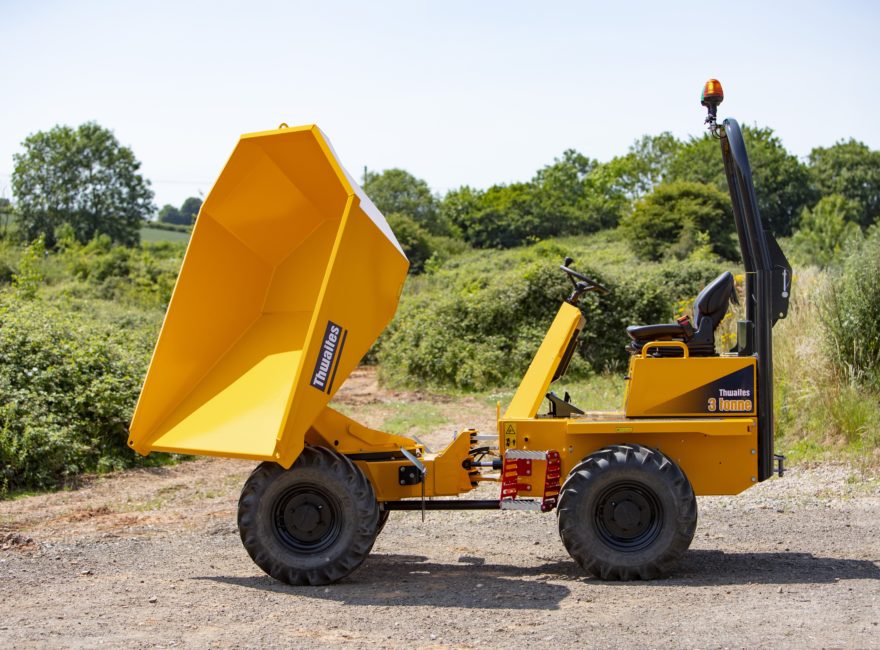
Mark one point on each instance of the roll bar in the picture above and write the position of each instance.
(767, 286)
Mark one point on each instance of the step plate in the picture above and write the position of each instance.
(521, 504)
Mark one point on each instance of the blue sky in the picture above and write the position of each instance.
(455, 92)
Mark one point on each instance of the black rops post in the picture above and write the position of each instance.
(768, 273)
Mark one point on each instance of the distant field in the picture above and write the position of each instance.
(154, 234)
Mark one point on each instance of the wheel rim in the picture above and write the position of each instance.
(306, 519)
(628, 516)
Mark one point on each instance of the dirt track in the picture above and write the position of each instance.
(152, 558)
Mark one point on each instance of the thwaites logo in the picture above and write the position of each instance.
(328, 357)
(735, 400)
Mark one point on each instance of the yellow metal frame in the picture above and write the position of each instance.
(717, 451)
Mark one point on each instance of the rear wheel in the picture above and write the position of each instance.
(627, 512)
(312, 524)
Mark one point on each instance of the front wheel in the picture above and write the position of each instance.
(312, 524)
(627, 512)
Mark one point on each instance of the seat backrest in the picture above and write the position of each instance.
(713, 300)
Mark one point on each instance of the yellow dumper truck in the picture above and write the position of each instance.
(291, 275)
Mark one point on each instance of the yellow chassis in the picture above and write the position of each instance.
(717, 452)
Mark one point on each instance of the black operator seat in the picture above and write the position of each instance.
(709, 310)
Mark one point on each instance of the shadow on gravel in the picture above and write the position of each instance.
(713, 568)
(410, 580)
(716, 567)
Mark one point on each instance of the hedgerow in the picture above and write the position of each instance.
(69, 378)
(477, 322)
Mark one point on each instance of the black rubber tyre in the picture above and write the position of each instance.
(383, 519)
(627, 512)
(312, 524)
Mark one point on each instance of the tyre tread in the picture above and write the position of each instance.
(576, 535)
(282, 566)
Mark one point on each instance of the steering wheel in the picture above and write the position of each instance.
(582, 284)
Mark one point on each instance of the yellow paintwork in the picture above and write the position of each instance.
(717, 451)
(536, 381)
(445, 475)
(655, 383)
(284, 243)
(336, 431)
(717, 455)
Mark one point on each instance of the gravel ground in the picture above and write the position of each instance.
(152, 558)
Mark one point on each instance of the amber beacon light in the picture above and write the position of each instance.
(713, 94)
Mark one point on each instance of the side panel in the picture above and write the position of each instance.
(359, 297)
(692, 387)
(719, 455)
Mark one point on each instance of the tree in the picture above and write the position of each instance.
(415, 240)
(782, 182)
(503, 216)
(183, 216)
(849, 168)
(677, 218)
(458, 206)
(170, 214)
(559, 193)
(189, 210)
(646, 165)
(570, 196)
(607, 200)
(396, 190)
(827, 229)
(83, 177)
(6, 213)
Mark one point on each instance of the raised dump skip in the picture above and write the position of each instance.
(290, 276)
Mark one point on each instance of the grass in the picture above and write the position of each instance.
(156, 235)
(413, 418)
(819, 414)
(602, 392)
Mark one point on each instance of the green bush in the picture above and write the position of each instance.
(415, 240)
(69, 377)
(7, 272)
(678, 217)
(142, 276)
(477, 322)
(826, 229)
(823, 410)
(169, 226)
(851, 313)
